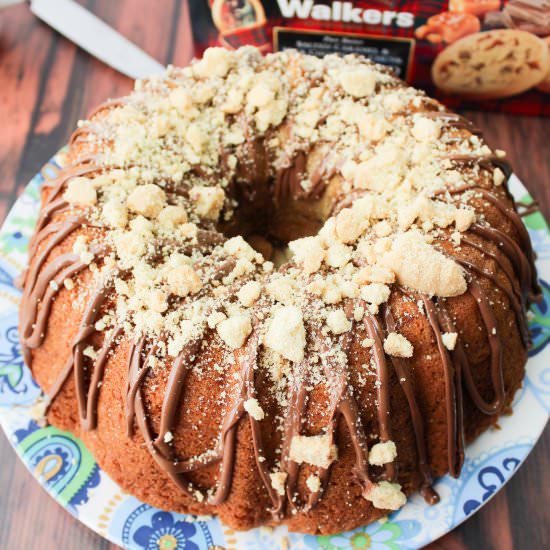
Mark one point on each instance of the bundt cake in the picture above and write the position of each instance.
(278, 289)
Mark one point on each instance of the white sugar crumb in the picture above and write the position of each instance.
(382, 453)
(215, 318)
(337, 322)
(313, 483)
(68, 284)
(195, 137)
(238, 247)
(208, 201)
(375, 293)
(383, 228)
(249, 293)
(498, 177)
(309, 252)
(183, 280)
(419, 266)
(215, 62)
(253, 408)
(80, 191)
(278, 480)
(397, 345)
(172, 216)
(338, 255)
(115, 214)
(282, 290)
(386, 496)
(80, 247)
(374, 274)
(157, 300)
(464, 219)
(147, 200)
(449, 340)
(358, 81)
(316, 450)
(90, 352)
(235, 330)
(286, 333)
(168, 437)
(38, 409)
(425, 129)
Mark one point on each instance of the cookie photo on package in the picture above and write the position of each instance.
(485, 54)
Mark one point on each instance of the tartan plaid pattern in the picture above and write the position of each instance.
(205, 33)
(255, 35)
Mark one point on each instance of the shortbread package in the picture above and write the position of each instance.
(488, 54)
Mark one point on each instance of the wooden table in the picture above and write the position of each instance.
(46, 85)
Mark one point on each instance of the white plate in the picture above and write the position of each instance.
(65, 468)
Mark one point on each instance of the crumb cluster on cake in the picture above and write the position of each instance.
(279, 289)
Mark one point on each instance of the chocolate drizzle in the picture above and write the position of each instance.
(454, 461)
(86, 397)
(404, 376)
(252, 168)
(454, 121)
(173, 394)
(342, 405)
(42, 290)
(288, 179)
(246, 358)
(487, 162)
(523, 267)
(523, 254)
(58, 232)
(512, 298)
(525, 210)
(298, 402)
(224, 454)
(382, 388)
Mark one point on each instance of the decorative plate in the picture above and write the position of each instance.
(65, 468)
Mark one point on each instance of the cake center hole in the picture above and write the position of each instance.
(269, 225)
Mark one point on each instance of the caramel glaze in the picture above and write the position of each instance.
(43, 281)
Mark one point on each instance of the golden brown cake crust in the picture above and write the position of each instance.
(315, 395)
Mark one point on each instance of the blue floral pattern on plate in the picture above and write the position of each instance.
(16, 384)
(66, 469)
(166, 533)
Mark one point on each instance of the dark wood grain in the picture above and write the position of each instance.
(46, 85)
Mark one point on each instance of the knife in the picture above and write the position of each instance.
(96, 37)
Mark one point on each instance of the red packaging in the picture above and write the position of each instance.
(483, 54)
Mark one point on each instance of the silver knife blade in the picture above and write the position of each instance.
(6, 3)
(96, 37)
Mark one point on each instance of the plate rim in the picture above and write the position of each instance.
(87, 520)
